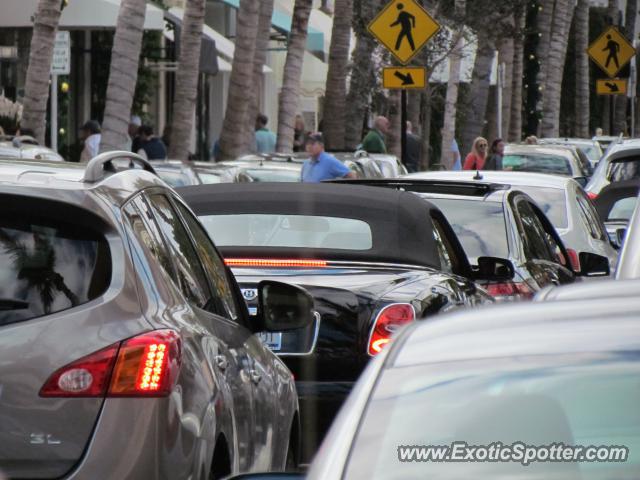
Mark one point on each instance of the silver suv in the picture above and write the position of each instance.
(125, 345)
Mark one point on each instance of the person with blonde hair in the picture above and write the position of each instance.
(477, 156)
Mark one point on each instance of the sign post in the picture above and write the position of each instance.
(403, 27)
(61, 65)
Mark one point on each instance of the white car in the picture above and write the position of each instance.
(620, 162)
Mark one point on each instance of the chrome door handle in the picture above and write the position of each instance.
(221, 362)
(255, 376)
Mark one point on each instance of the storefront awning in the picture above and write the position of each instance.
(78, 15)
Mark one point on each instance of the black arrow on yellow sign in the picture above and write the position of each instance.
(612, 87)
(406, 79)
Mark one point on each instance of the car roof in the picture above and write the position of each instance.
(400, 222)
(503, 177)
(553, 149)
(524, 329)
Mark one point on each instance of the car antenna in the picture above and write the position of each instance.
(478, 175)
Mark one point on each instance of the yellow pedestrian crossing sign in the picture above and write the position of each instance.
(404, 27)
(611, 51)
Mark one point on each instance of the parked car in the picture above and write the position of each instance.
(561, 199)
(126, 350)
(497, 220)
(615, 206)
(373, 259)
(390, 165)
(551, 159)
(176, 173)
(26, 148)
(621, 162)
(537, 374)
(629, 263)
(591, 148)
(212, 172)
(605, 141)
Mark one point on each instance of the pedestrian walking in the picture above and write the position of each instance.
(374, 140)
(477, 157)
(299, 134)
(134, 137)
(151, 147)
(414, 150)
(321, 165)
(265, 139)
(91, 135)
(496, 152)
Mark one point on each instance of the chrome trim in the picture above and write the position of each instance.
(313, 344)
(375, 321)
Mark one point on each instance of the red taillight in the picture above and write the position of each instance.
(390, 319)
(265, 262)
(509, 289)
(143, 366)
(574, 259)
(592, 195)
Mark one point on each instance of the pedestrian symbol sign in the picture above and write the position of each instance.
(404, 77)
(404, 27)
(611, 51)
(611, 86)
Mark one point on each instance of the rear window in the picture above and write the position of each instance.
(625, 169)
(49, 266)
(262, 175)
(623, 209)
(553, 164)
(552, 201)
(174, 178)
(296, 231)
(479, 225)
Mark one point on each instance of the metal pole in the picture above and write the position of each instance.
(403, 130)
(54, 113)
(611, 112)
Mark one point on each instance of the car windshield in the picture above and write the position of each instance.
(534, 400)
(552, 201)
(296, 231)
(266, 175)
(624, 169)
(534, 162)
(48, 266)
(480, 226)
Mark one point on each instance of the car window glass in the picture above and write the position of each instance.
(535, 236)
(446, 264)
(625, 169)
(223, 299)
(540, 163)
(594, 225)
(552, 201)
(190, 275)
(623, 209)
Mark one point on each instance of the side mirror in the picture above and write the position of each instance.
(494, 269)
(283, 307)
(592, 265)
(621, 233)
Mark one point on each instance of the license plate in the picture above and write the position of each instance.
(271, 340)
(253, 311)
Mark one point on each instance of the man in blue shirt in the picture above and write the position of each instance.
(322, 166)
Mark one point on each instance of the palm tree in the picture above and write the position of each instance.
(232, 138)
(515, 126)
(184, 102)
(630, 29)
(582, 69)
(335, 103)
(544, 22)
(260, 58)
(290, 93)
(45, 25)
(123, 74)
(505, 55)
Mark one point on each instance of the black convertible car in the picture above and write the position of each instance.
(373, 259)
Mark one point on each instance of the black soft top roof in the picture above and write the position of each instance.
(400, 222)
(614, 192)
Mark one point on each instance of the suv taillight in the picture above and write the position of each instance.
(388, 321)
(509, 289)
(575, 259)
(143, 366)
(592, 195)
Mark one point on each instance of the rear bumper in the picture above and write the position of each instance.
(319, 404)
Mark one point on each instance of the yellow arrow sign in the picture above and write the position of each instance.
(612, 86)
(404, 77)
(404, 27)
(611, 51)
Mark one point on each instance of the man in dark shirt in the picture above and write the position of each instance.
(414, 150)
(150, 145)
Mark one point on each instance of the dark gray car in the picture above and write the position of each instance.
(126, 351)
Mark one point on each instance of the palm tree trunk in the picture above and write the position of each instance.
(630, 29)
(260, 58)
(232, 138)
(184, 101)
(479, 91)
(290, 93)
(582, 69)
(515, 125)
(506, 57)
(543, 26)
(123, 75)
(335, 105)
(425, 100)
(45, 25)
(556, 59)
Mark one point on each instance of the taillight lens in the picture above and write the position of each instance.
(388, 321)
(574, 258)
(592, 195)
(143, 366)
(509, 289)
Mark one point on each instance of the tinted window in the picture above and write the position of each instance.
(540, 163)
(48, 266)
(623, 209)
(297, 231)
(552, 202)
(626, 169)
(190, 275)
(222, 299)
(534, 233)
(480, 226)
(263, 175)
(593, 223)
(538, 401)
